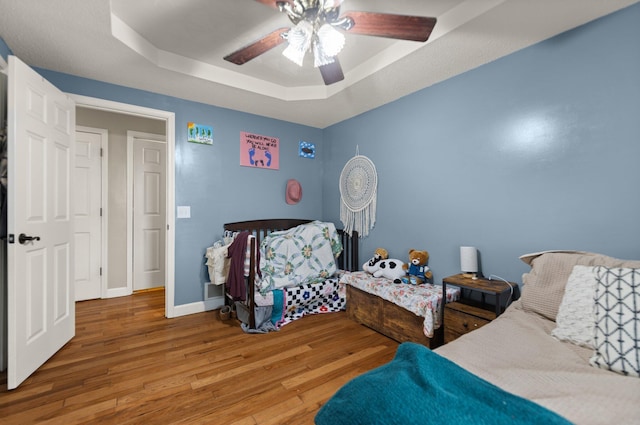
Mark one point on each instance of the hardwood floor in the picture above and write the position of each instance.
(128, 364)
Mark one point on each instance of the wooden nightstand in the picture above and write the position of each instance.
(467, 314)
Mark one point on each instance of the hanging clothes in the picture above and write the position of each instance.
(238, 252)
(218, 263)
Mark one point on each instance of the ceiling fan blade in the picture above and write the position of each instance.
(257, 48)
(272, 3)
(332, 73)
(403, 27)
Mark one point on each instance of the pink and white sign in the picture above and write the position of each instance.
(259, 151)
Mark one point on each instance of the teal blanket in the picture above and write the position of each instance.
(420, 387)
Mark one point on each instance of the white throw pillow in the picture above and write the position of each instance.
(617, 330)
(575, 321)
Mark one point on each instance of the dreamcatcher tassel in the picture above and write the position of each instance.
(360, 221)
(358, 195)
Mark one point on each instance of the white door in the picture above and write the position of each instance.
(87, 183)
(41, 308)
(149, 221)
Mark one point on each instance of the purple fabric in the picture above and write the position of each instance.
(237, 252)
(235, 281)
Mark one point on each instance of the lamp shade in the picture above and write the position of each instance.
(468, 259)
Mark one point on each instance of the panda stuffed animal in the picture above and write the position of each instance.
(381, 266)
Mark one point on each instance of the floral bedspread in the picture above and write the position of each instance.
(303, 254)
(422, 300)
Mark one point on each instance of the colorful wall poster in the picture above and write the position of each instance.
(259, 151)
(307, 150)
(198, 133)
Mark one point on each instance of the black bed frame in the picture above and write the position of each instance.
(348, 259)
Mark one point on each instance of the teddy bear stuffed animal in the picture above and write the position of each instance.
(381, 266)
(379, 254)
(417, 271)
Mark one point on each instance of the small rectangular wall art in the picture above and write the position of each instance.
(307, 150)
(259, 151)
(198, 133)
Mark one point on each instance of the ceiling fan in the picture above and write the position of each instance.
(316, 28)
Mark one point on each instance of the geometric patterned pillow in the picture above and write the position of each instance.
(617, 330)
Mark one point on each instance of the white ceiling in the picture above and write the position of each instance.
(177, 48)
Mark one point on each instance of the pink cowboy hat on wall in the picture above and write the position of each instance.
(293, 194)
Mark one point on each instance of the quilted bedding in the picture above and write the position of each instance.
(301, 255)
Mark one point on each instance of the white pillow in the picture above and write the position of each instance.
(617, 330)
(575, 321)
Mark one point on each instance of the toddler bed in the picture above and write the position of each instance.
(400, 311)
(568, 351)
(292, 269)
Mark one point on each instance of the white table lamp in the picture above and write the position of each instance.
(469, 260)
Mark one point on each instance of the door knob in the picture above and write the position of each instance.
(22, 238)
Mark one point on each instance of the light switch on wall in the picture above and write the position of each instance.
(184, 211)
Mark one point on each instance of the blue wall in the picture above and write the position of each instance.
(536, 151)
(5, 51)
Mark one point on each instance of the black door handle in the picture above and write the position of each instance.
(22, 238)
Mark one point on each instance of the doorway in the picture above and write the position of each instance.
(42, 307)
(146, 159)
(92, 112)
(90, 212)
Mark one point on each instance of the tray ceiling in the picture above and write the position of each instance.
(176, 48)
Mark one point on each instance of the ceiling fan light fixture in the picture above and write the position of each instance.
(299, 38)
(294, 54)
(331, 41)
(320, 58)
(328, 43)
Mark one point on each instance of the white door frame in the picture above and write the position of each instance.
(104, 204)
(131, 137)
(170, 118)
(3, 268)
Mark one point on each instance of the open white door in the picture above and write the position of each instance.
(87, 220)
(41, 308)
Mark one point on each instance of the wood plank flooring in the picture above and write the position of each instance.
(128, 364)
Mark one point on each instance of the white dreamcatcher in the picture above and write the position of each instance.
(358, 195)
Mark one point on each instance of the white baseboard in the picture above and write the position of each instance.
(197, 307)
(178, 310)
(118, 292)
